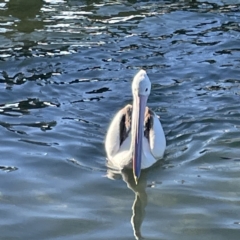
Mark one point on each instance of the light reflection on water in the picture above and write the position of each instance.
(66, 68)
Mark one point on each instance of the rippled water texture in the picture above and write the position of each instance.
(66, 68)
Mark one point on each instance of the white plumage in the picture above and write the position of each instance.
(135, 128)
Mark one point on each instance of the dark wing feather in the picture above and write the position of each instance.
(148, 122)
(125, 123)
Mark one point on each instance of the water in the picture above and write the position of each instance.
(66, 68)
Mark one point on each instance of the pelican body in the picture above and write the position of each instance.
(135, 138)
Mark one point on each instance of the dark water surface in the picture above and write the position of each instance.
(66, 68)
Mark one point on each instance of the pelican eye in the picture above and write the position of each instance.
(146, 89)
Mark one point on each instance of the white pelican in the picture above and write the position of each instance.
(135, 137)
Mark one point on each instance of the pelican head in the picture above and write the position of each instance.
(141, 88)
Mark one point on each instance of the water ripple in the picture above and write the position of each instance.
(24, 106)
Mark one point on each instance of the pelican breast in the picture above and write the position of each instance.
(119, 138)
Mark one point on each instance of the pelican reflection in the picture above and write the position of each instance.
(140, 202)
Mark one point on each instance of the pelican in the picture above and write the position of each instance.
(135, 137)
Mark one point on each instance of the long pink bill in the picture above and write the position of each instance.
(140, 106)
